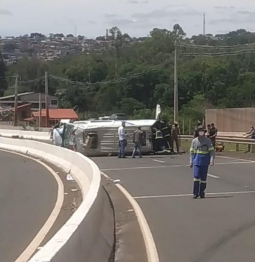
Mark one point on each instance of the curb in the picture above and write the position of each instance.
(151, 250)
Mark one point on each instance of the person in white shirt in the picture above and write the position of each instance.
(122, 140)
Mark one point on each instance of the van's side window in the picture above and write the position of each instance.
(90, 139)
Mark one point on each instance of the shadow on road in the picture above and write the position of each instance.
(216, 197)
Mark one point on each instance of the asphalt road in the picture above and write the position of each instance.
(28, 193)
(219, 228)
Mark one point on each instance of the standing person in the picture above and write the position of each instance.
(208, 130)
(138, 139)
(199, 124)
(170, 138)
(122, 140)
(166, 131)
(175, 135)
(201, 156)
(251, 133)
(213, 134)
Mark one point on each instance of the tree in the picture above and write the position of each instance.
(9, 47)
(3, 82)
(132, 75)
(37, 35)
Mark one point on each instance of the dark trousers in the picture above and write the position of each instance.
(137, 147)
(176, 140)
(122, 145)
(213, 142)
(168, 143)
(200, 177)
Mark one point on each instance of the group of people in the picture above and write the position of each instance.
(137, 139)
(165, 135)
(210, 132)
(163, 138)
(202, 153)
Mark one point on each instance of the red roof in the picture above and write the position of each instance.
(58, 114)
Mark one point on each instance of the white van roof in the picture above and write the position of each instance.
(112, 123)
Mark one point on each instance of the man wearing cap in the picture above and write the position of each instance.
(122, 140)
(201, 156)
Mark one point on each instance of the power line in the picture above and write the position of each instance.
(234, 53)
(181, 44)
(118, 80)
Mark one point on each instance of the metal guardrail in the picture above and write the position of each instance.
(232, 140)
(238, 140)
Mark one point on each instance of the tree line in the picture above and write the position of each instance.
(213, 72)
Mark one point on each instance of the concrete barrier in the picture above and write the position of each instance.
(37, 135)
(88, 236)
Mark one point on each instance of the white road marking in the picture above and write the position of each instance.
(132, 168)
(160, 161)
(174, 166)
(234, 163)
(213, 176)
(28, 252)
(239, 159)
(151, 250)
(188, 195)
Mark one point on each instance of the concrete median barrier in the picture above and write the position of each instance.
(88, 236)
(36, 135)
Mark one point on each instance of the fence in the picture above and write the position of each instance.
(231, 119)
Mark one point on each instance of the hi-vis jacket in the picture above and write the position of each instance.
(201, 151)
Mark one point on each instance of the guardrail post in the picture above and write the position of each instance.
(253, 148)
(237, 147)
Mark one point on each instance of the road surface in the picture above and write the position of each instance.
(220, 227)
(28, 193)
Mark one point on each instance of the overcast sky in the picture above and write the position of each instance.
(135, 17)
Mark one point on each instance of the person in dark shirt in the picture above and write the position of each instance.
(251, 133)
(207, 131)
(213, 134)
(138, 140)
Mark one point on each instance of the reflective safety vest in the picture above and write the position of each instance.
(201, 151)
(165, 130)
(159, 134)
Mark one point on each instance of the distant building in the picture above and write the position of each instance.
(29, 98)
(23, 112)
(55, 115)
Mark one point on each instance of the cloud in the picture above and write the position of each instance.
(110, 15)
(166, 13)
(137, 1)
(234, 20)
(5, 12)
(245, 13)
(224, 7)
(121, 22)
(92, 22)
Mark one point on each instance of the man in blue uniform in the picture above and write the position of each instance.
(201, 156)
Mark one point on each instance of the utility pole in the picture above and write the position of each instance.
(204, 25)
(175, 84)
(16, 101)
(116, 61)
(47, 98)
(40, 110)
